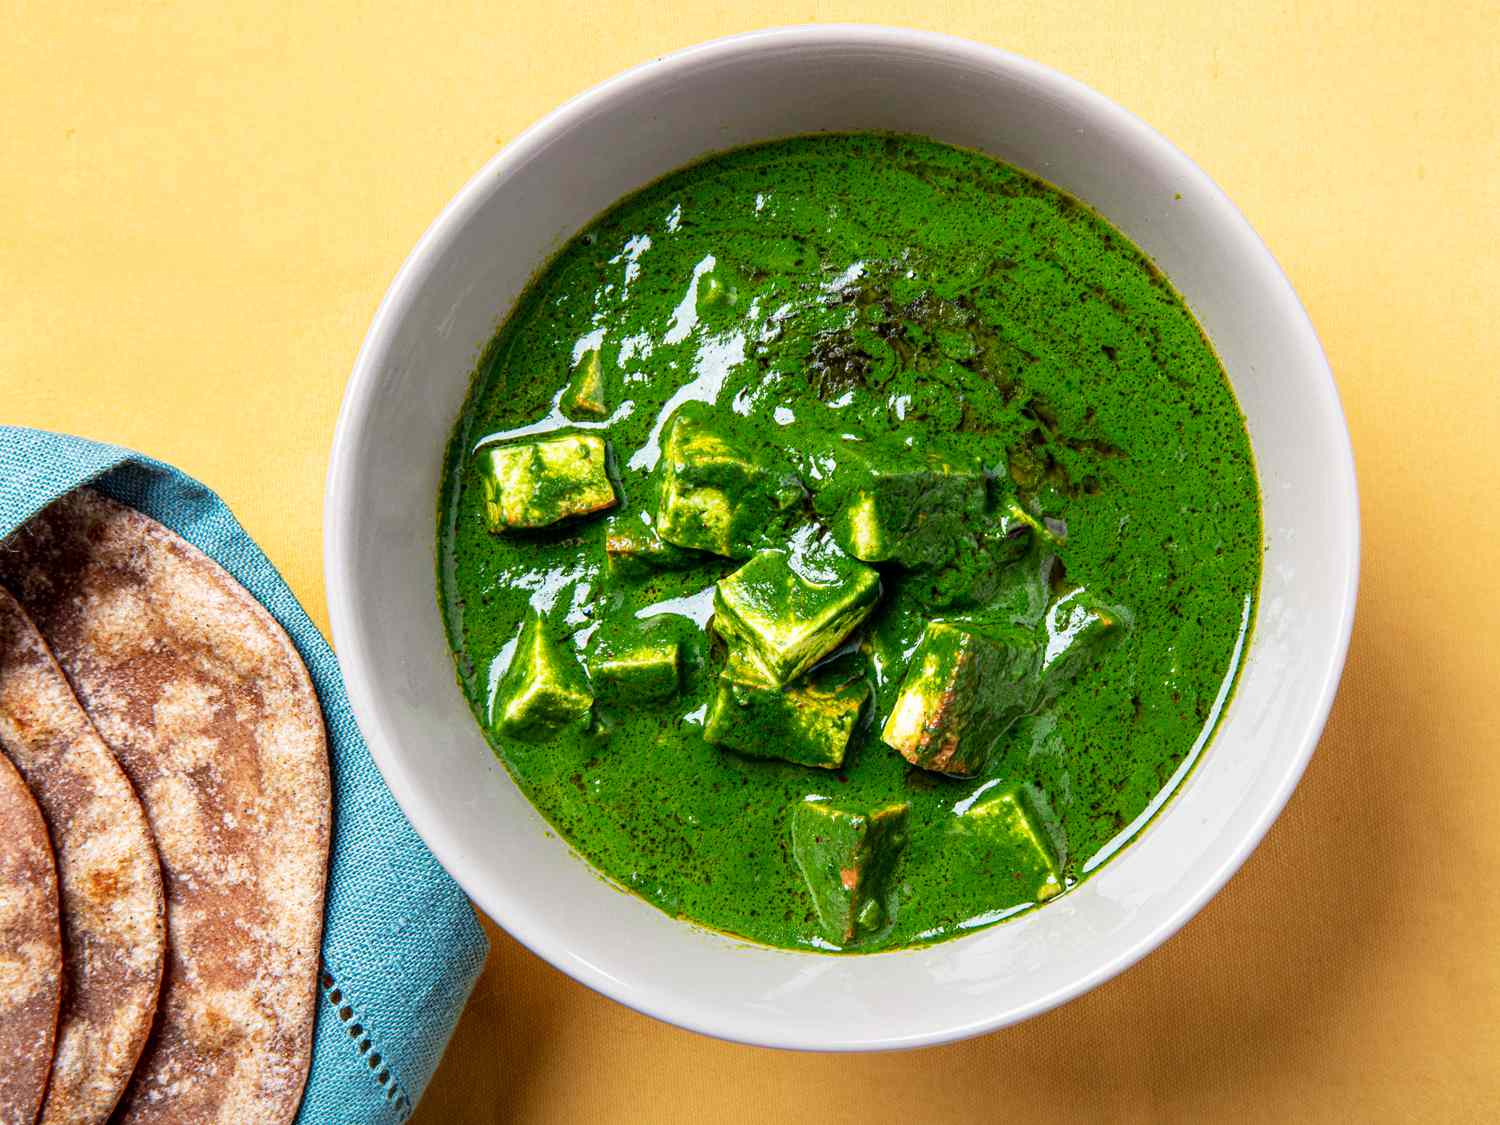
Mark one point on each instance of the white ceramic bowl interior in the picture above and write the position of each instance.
(409, 383)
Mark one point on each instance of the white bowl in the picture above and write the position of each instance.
(410, 380)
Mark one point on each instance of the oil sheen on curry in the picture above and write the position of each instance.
(848, 542)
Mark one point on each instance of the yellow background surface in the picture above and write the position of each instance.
(201, 205)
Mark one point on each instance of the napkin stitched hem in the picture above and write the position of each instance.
(364, 1044)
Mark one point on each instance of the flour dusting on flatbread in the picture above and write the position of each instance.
(209, 709)
(109, 881)
(30, 951)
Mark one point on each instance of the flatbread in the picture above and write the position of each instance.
(30, 951)
(113, 915)
(209, 709)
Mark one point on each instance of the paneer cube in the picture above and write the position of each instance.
(981, 569)
(634, 672)
(887, 502)
(1026, 842)
(633, 549)
(962, 691)
(784, 618)
(1044, 532)
(1007, 537)
(1078, 626)
(720, 492)
(584, 396)
(543, 689)
(846, 857)
(720, 289)
(808, 723)
(536, 483)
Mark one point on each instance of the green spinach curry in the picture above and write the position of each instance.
(848, 542)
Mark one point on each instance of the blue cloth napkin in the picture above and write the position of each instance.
(401, 946)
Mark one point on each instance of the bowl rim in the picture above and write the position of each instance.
(362, 388)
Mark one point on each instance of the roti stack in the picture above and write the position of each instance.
(30, 951)
(208, 708)
(109, 882)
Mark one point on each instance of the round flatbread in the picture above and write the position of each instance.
(208, 707)
(109, 881)
(30, 951)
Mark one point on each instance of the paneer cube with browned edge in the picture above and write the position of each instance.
(1017, 828)
(721, 492)
(785, 618)
(846, 856)
(886, 501)
(809, 722)
(632, 549)
(584, 395)
(537, 483)
(962, 691)
(543, 688)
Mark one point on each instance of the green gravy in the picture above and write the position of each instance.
(911, 292)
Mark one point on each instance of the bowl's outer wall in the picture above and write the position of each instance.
(410, 381)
